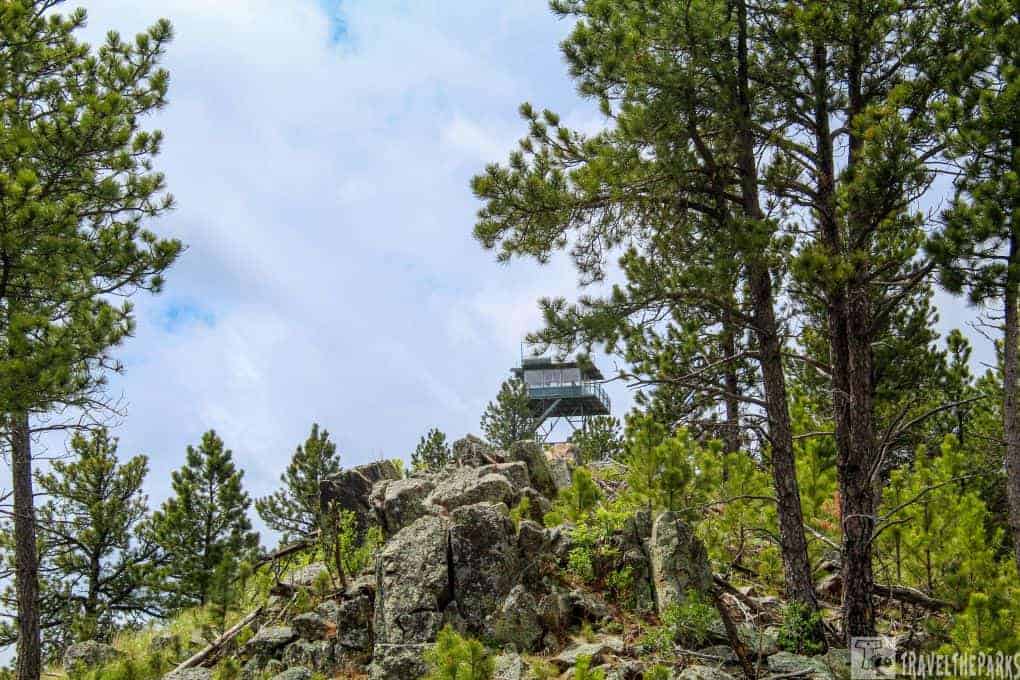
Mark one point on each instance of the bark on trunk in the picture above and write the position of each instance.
(849, 325)
(1011, 392)
(793, 544)
(857, 493)
(26, 557)
(731, 437)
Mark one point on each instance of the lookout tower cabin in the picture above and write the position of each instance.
(562, 391)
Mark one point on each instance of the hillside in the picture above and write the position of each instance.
(463, 556)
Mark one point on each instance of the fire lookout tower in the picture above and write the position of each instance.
(562, 391)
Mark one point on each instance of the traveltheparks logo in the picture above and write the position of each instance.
(872, 658)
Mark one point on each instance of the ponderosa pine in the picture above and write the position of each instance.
(508, 419)
(76, 184)
(204, 524)
(294, 510)
(978, 247)
(677, 165)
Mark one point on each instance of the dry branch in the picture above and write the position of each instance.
(219, 642)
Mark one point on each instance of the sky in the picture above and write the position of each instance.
(320, 155)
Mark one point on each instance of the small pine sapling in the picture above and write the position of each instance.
(455, 657)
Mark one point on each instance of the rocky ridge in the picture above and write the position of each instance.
(453, 556)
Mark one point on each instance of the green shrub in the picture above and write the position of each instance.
(340, 547)
(593, 550)
(582, 670)
(621, 585)
(580, 563)
(228, 669)
(149, 667)
(357, 556)
(455, 657)
(798, 634)
(322, 585)
(521, 511)
(600, 440)
(690, 621)
(577, 501)
(303, 602)
(658, 672)
(540, 669)
(991, 619)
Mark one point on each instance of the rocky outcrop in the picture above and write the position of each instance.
(89, 654)
(354, 623)
(190, 674)
(413, 584)
(467, 486)
(398, 662)
(352, 490)
(452, 555)
(596, 651)
(473, 452)
(485, 561)
(700, 672)
(509, 666)
(518, 620)
(785, 663)
(310, 626)
(296, 673)
(679, 561)
(532, 455)
(403, 502)
(304, 577)
(315, 655)
(269, 640)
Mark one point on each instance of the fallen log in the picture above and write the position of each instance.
(902, 594)
(728, 588)
(219, 642)
(731, 632)
(913, 596)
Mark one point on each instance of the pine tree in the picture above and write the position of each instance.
(76, 184)
(294, 509)
(978, 248)
(204, 523)
(432, 452)
(661, 466)
(600, 439)
(224, 593)
(508, 419)
(89, 528)
(675, 176)
(860, 81)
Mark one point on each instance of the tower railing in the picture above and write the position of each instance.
(570, 390)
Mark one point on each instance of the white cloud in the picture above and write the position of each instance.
(331, 274)
(474, 140)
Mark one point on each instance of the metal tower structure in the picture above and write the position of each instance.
(562, 391)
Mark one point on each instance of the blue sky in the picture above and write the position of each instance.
(320, 156)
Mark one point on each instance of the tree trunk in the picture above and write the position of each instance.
(849, 326)
(854, 464)
(26, 556)
(793, 544)
(1011, 391)
(731, 438)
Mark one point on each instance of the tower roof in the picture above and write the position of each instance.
(588, 370)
